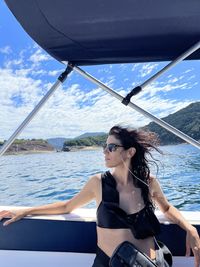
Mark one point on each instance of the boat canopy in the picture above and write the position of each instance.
(100, 31)
(92, 32)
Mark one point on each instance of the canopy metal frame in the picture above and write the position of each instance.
(32, 114)
(124, 100)
(158, 121)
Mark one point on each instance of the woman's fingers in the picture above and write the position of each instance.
(5, 214)
(193, 240)
(14, 219)
(196, 252)
(188, 250)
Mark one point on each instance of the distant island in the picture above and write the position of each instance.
(187, 120)
(22, 146)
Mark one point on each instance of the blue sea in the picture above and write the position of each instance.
(36, 179)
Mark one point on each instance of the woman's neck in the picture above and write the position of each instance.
(122, 175)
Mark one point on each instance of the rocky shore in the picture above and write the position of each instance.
(30, 146)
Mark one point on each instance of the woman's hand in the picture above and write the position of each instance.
(193, 242)
(13, 215)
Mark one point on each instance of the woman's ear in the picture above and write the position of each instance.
(132, 152)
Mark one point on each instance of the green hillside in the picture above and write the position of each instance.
(187, 120)
(98, 140)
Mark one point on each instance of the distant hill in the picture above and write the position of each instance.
(59, 141)
(89, 141)
(89, 134)
(187, 120)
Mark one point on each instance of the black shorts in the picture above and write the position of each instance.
(102, 259)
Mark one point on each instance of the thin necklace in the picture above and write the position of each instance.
(134, 174)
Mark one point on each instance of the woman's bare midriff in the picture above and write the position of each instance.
(109, 239)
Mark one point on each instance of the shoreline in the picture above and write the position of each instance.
(72, 149)
(29, 152)
(82, 148)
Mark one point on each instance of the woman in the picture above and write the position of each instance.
(125, 200)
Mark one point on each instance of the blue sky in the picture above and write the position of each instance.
(27, 72)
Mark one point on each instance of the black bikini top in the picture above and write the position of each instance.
(109, 215)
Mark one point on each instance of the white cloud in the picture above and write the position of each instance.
(167, 86)
(147, 69)
(54, 72)
(189, 70)
(174, 80)
(6, 50)
(191, 77)
(39, 56)
(12, 63)
(135, 66)
(40, 72)
(73, 110)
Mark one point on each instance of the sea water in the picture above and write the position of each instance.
(37, 179)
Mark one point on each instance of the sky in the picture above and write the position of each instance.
(27, 72)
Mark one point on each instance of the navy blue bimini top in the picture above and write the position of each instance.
(109, 215)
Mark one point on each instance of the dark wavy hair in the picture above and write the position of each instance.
(143, 142)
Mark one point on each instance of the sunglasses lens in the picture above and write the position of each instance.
(110, 147)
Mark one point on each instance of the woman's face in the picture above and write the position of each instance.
(114, 152)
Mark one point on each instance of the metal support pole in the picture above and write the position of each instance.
(60, 80)
(172, 64)
(138, 89)
(142, 111)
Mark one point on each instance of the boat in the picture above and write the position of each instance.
(85, 33)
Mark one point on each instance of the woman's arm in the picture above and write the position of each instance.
(173, 214)
(84, 196)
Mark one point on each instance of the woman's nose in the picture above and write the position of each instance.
(105, 150)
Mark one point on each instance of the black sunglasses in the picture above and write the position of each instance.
(111, 147)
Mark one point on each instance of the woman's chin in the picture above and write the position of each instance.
(108, 164)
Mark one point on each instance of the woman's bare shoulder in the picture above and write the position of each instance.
(96, 178)
(96, 184)
(154, 185)
(153, 180)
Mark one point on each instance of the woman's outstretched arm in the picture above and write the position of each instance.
(83, 197)
(174, 215)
